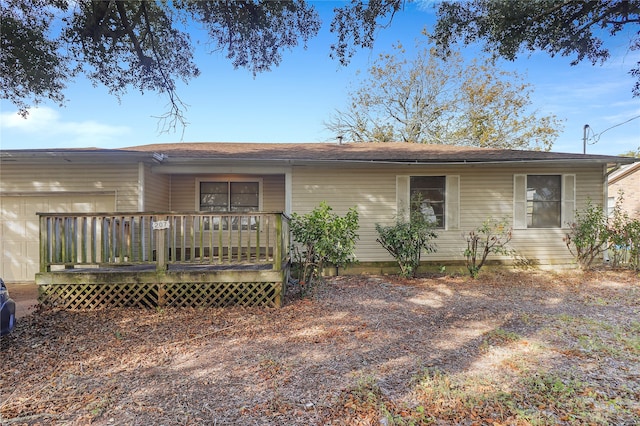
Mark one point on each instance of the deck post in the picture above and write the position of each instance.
(161, 250)
(44, 242)
(277, 254)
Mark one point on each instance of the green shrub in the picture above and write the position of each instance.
(322, 238)
(491, 237)
(406, 240)
(618, 243)
(588, 236)
(632, 230)
(594, 233)
(624, 237)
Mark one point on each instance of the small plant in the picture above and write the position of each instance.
(323, 238)
(632, 230)
(491, 237)
(406, 240)
(618, 239)
(588, 237)
(593, 233)
(624, 237)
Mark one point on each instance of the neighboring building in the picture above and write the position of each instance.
(627, 180)
(537, 192)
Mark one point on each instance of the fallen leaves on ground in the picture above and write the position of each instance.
(505, 349)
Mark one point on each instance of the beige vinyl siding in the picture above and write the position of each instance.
(121, 179)
(27, 189)
(183, 193)
(185, 198)
(20, 226)
(371, 192)
(484, 192)
(273, 193)
(156, 191)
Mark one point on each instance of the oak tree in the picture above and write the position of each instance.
(429, 99)
(148, 46)
(143, 45)
(568, 27)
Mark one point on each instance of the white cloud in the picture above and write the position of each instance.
(48, 128)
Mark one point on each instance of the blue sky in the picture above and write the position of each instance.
(290, 103)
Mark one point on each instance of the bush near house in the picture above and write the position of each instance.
(594, 234)
(491, 237)
(323, 238)
(406, 240)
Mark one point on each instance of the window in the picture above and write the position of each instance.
(229, 197)
(427, 193)
(544, 201)
(611, 204)
(443, 193)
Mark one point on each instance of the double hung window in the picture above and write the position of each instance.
(436, 197)
(428, 196)
(543, 201)
(229, 197)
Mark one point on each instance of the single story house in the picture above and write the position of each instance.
(627, 180)
(537, 192)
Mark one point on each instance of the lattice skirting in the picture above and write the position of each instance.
(149, 295)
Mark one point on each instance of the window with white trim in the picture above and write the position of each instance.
(428, 194)
(543, 201)
(439, 196)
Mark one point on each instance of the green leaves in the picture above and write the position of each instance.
(593, 233)
(30, 67)
(144, 45)
(324, 237)
(491, 237)
(565, 28)
(406, 240)
(588, 235)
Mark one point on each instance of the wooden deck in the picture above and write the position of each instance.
(116, 260)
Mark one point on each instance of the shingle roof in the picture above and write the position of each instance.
(360, 152)
(390, 152)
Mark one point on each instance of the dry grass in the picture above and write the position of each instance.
(519, 349)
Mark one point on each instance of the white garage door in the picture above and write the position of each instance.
(19, 228)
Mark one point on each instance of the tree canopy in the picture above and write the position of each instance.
(632, 153)
(147, 45)
(567, 27)
(429, 99)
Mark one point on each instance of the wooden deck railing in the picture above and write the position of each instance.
(109, 239)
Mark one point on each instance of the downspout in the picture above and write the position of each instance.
(614, 169)
(288, 192)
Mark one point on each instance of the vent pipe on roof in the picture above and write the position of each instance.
(339, 137)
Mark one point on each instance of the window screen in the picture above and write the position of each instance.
(428, 195)
(544, 201)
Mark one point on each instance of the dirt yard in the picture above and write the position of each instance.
(26, 297)
(525, 348)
